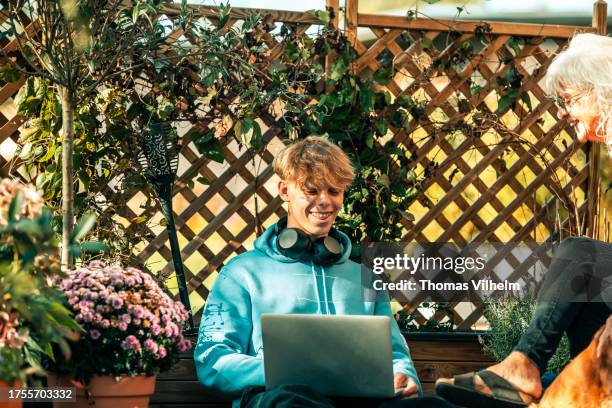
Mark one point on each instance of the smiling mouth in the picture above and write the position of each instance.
(321, 215)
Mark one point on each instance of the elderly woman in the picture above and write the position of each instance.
(581, 80)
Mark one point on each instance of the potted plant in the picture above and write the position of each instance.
(508, 321)
(133, 330)
(11, 357)
(32, 315)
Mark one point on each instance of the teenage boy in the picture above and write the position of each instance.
(276, 278)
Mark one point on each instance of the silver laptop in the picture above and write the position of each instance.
(348, 356)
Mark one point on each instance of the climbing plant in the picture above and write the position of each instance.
(220, 78)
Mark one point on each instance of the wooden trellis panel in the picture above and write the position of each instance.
(220, 220)
(9, 121)
(495, 187)
(501, 185)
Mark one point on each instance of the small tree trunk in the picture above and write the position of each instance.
(67, 99)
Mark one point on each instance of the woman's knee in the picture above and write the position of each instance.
(576, 249)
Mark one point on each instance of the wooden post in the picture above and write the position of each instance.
(600, 17)
(352, 8)
(600, 23)
(334, 5)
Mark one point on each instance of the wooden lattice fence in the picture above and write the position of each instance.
(482, 192)
(498, 187)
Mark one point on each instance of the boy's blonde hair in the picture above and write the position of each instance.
(315, 161)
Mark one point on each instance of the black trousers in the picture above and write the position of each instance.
(301, 396)
(574, 299)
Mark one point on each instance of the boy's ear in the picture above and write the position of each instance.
(283, 190)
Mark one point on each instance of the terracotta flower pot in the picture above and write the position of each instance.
(105, 392)
(12, 404)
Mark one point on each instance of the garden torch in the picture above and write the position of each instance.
(159, 159)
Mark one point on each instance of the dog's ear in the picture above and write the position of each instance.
(606, 372)
(604, 363)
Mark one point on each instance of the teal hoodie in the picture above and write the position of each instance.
(229, 353)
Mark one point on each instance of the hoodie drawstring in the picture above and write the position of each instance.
(314, 275)
(325, 290)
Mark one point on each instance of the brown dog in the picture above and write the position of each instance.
(586, 382)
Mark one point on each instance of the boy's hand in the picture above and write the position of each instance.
(605, 340)
(405, 386)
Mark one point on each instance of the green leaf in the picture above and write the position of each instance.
(370, 140)
(399, 118)
(40, 88)
(398, 189)
(411, 176)
(135, 13)
(381, 127)
(49, 154)
(34, 346)
(249, 132)
(94, 247)
(366, 99)
(405, 101)
(25, 101)
(338, 69)
(85, 224)
(256, 140)
(475, 89)
(322, 15)
(431, 1)
(504, 103)
(276, 66)
(203, 180)
(212, 149)
(383, 180)
(379, 101)
(15, 206)
(26, 226)
(527, 100)
(411, 193)
(292, 52)
(393, 149)
(6, 32)
(510, 74)
(8, 73)
(62, 315)
(515, 43)
(49, 351)
(383, 76)
(426, 42)
(224, 15)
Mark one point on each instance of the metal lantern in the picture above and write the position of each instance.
(159, 159)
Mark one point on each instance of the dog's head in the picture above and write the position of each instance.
(586, 382)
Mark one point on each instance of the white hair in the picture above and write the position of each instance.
(586, 67)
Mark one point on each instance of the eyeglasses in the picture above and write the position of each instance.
(566, 103)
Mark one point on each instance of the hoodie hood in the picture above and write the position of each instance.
(266, 243)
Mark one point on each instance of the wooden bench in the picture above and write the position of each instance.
(434, 354)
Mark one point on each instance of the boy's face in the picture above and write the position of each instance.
(311, 209)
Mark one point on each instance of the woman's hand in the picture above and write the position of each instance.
(405, 385)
